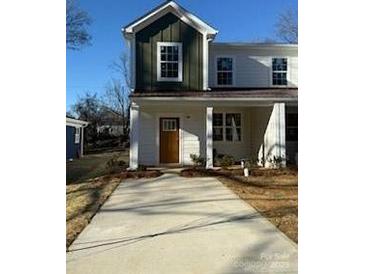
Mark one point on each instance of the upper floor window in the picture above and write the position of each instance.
(279, 71)
(225, 71)
(169, 61)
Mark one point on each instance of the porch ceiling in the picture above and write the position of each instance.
(223, 92)
(239, 97)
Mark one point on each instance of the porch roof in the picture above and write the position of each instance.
(241, 93)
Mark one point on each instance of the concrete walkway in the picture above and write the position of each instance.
(175, 225)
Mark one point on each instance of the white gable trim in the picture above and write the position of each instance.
(174, 8)
(132, 65)
(205, 62)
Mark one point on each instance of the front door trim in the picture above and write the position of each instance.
(157, 132)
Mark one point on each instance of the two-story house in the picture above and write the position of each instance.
(191, 95)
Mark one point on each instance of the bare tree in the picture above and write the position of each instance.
(70, 114)
(121, 66)
(89, 108)
(286, 27)
(116, 101)
(76, 22)
(118, 91)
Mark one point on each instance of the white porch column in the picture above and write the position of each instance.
(209, 137)
(281, 131)
(134, 136)
(275, 144)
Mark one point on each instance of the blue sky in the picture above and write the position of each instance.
(89, 70)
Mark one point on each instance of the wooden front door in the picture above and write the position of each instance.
(169, 140)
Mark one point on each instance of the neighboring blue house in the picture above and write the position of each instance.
(74, 138)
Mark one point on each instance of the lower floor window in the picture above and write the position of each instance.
(217, 126)
(169, 125)
(77, 135)
(227, 127)
(292, 127)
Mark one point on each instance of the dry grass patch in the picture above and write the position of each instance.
(272, 192)
(84, 199)
(91, 166)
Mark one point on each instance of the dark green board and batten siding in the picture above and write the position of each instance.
(169, 28)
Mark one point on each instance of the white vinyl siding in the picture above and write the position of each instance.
(192, 125)
(252, 66)
(147, 142)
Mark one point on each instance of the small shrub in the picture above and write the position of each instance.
(249, 164)
(141, 168)
(260, 161)
(114, 165)
(252, 163)
(225, 160)
(197, 160)
(277, 161)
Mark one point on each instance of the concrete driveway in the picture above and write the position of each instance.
(174, 225)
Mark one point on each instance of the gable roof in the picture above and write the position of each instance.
(163, 9)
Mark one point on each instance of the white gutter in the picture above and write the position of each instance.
(75, 122)
(220, 99)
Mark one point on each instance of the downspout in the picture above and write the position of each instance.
(82, 142)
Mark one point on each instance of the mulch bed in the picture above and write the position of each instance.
(255, 172)
(135, 174)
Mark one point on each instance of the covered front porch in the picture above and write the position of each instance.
(243, 129)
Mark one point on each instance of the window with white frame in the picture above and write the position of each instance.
(169, 125)
(77, 135)
(217, 126)
(233, 127)
(169, 61)
(224, 71)
(279, 71)
(227, 127)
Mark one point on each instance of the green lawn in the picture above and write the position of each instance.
(91, 166)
